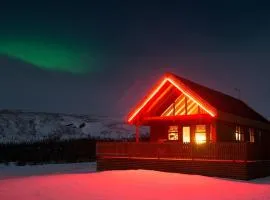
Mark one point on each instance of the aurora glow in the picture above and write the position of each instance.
(47, 54)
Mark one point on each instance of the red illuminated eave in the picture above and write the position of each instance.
(178, 118)
(182, 88)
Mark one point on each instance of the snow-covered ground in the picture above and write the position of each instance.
(13, 171)
(126, 185)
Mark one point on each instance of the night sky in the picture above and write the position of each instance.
(101, 58)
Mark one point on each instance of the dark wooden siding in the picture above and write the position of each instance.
(265, 143)
(225, 131)
(236, 170)
(258, 169)
(158, 133)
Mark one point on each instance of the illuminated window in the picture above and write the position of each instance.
(251, 135)
(186, 134)
(173, 133)
(239, 134)
(200, 134)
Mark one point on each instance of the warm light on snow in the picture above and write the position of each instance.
(131, 185)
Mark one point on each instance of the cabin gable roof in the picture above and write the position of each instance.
(209, 100)
(224, 102)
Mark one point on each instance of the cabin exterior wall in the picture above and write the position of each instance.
(225, 131)
(235, 170)
(216, 131)
(159, 133)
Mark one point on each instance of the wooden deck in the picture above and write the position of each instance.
(231, 160)
(210, 151)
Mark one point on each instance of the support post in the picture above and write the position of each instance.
(137, 134)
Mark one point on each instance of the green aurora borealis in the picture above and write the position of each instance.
(49, 54)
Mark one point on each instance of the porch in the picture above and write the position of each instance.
(222, 151)
(230, 160)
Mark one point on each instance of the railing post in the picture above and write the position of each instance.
(137, 134)
(191, 145)
(247, 152)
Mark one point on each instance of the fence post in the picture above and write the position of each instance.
(191, 145)
(158, 149)
(247, 152)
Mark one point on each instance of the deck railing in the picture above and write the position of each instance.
(209, 151)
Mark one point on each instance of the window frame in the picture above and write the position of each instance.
(199, 131)
(239, 134)
(173, 130)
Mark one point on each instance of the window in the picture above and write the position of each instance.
(200, 134)
(173, 133)
(186, 134)
(239, 134)
(251, 135)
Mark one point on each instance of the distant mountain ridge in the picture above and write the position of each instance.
(17, 126)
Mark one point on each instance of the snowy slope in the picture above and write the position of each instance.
(120, 184)
(17, 126)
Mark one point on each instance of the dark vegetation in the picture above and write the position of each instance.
(49, 151)
(52, 151)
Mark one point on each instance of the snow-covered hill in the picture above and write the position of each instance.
(17, 126)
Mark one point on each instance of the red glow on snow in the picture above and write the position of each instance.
(181, 88)
(131, 185)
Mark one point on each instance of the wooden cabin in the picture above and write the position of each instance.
(193, 129)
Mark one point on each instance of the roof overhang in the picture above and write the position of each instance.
(200, 118)
(223, 116)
